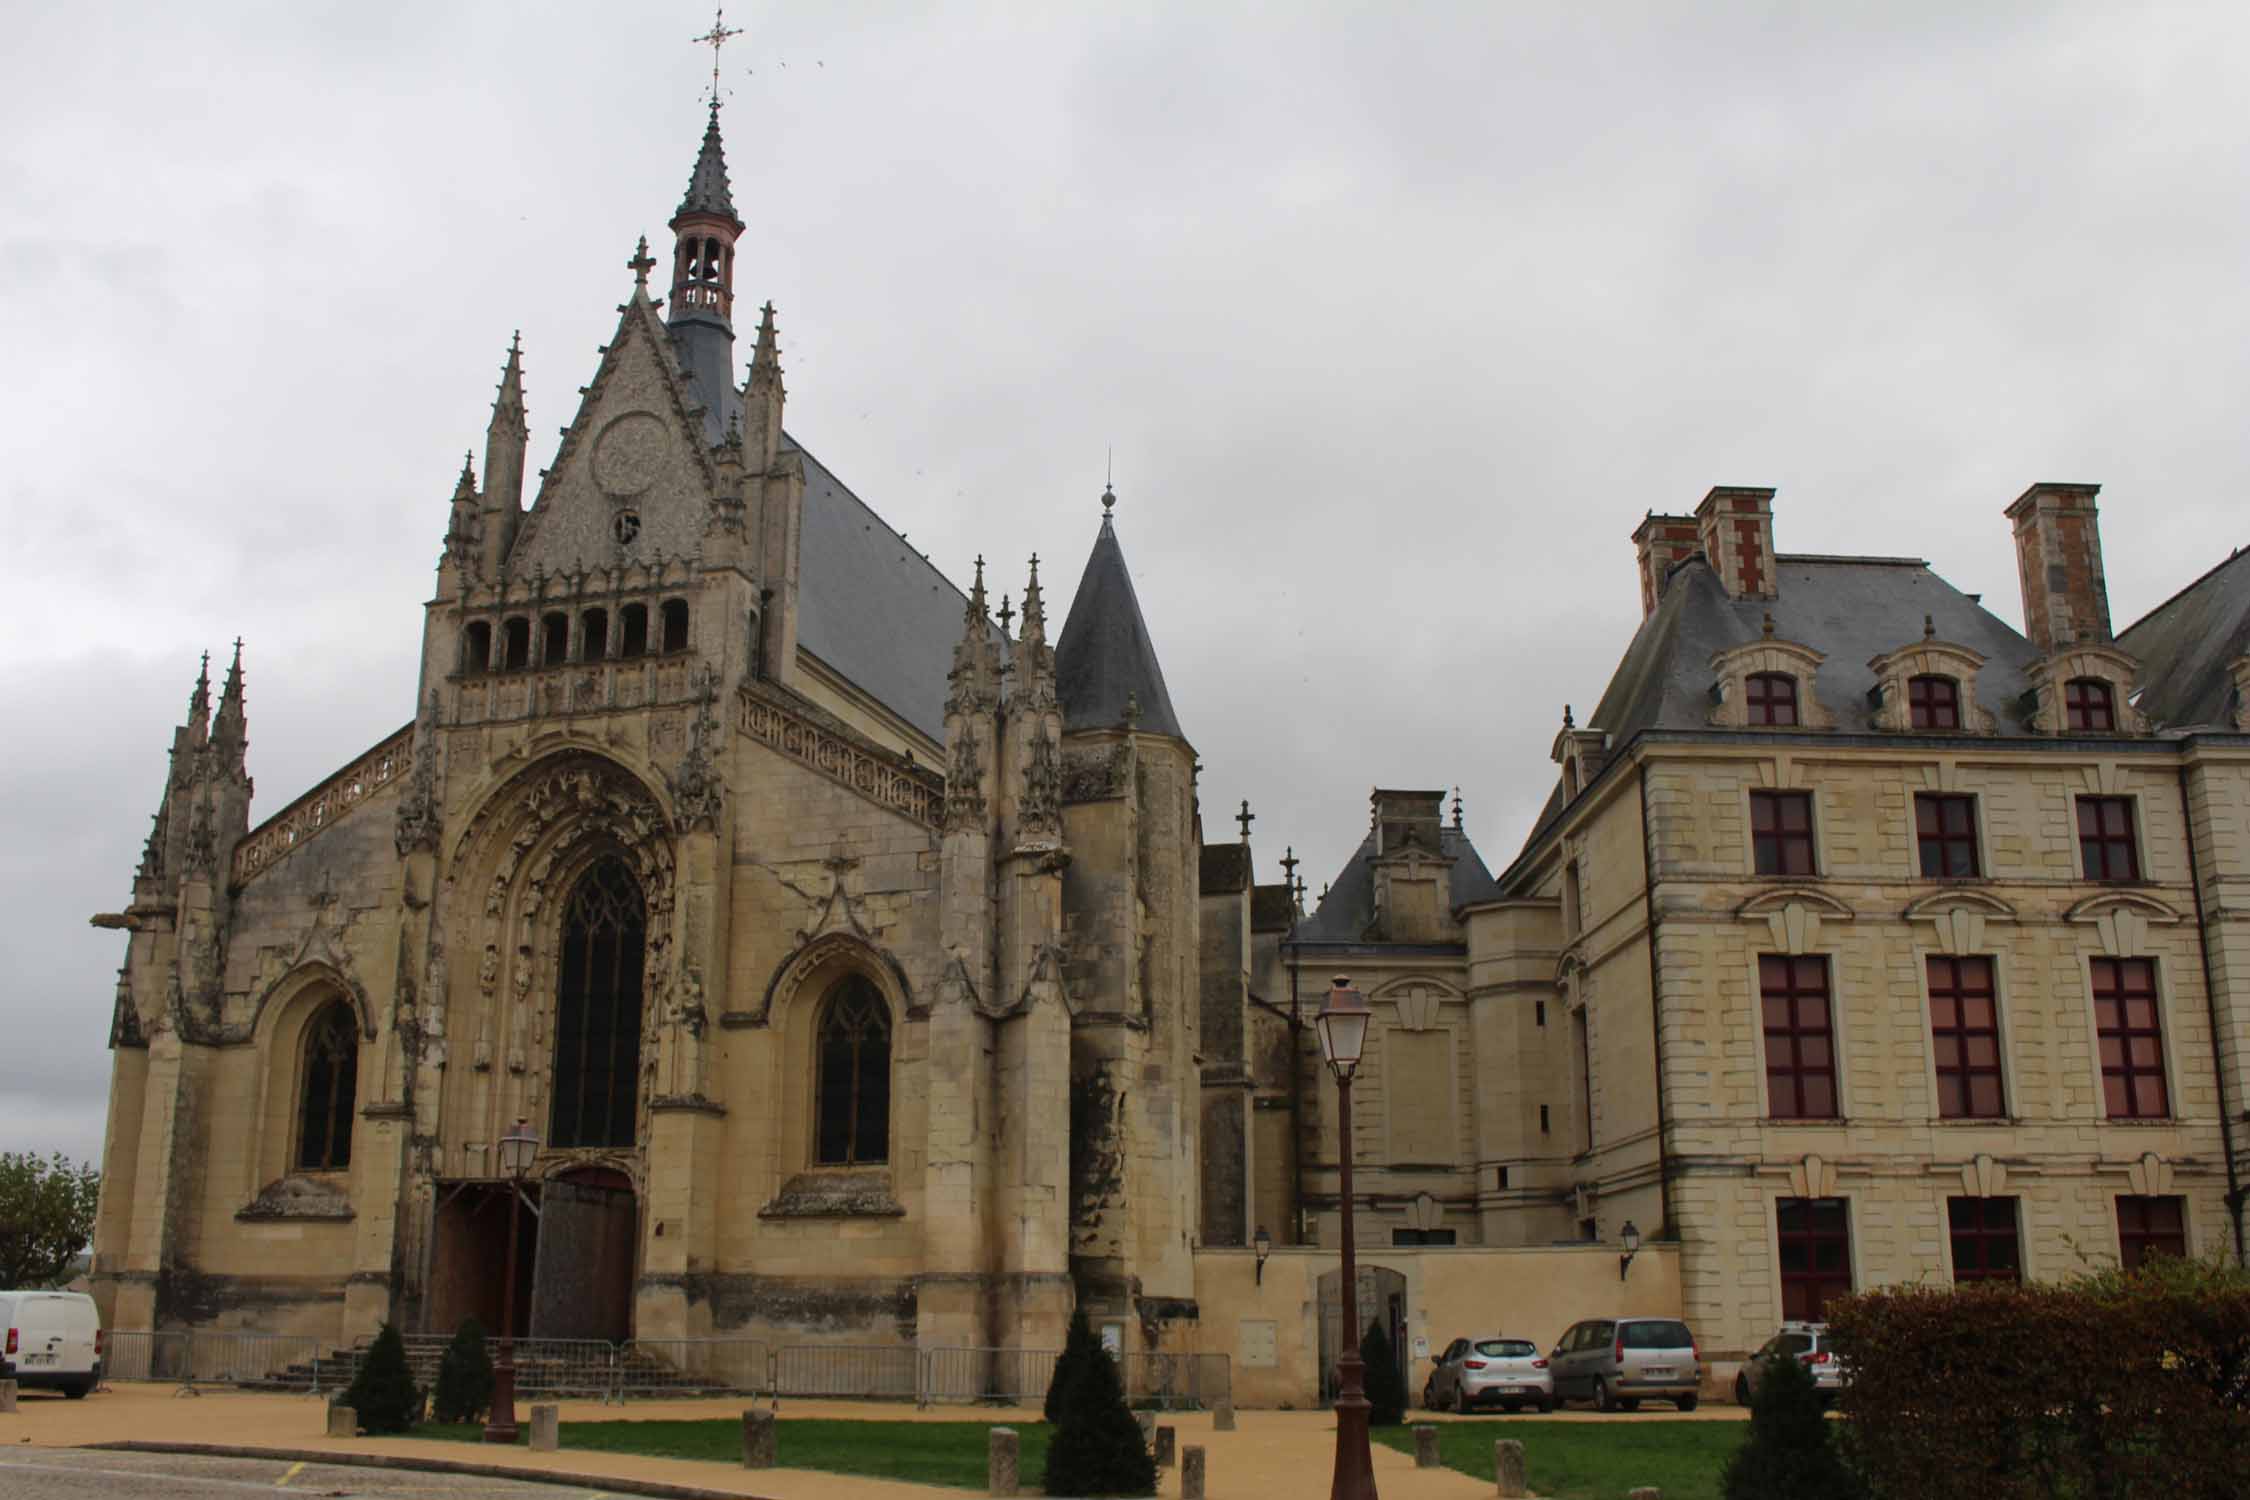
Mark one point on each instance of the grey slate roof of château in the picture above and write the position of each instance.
(1344, 913)
(1104, 653)
(2185, 643)
(707, 189)
(869, 605)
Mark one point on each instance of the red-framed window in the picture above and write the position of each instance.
(1781, 841)
(1800, 1037)
(2132, 1038)
(1771, 698)
(1945, 835)
(1933, 702)
(1985, 1247)
(1815, 1244)
(1965, 1038)
(2150, 1226)
(2106, 846)
(2089, 704)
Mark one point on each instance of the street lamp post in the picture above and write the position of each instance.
(1342, 1024)
(517, 1148)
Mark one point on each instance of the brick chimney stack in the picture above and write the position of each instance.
(1736, 527)
(2059, 558)
(1662, 543)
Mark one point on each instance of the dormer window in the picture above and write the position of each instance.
(1933, 703)
(2089, 705)
(1771, 699)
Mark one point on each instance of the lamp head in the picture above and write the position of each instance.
(1262, 1242)
(1632, 1238)
(1342, 1024)
(517, 1148)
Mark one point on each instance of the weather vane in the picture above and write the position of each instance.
(716, 38)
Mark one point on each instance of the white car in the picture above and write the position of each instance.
(50, 1341)
(1489, 1370)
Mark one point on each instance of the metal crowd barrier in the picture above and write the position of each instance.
(1016, 1377)
(1177, 1381)
(871, 1371)
(255, 1361)
(688, 1367)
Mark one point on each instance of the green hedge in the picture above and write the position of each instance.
(2116, 1387)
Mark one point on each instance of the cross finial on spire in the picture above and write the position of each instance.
(642, 263)
(717, 37)
(1289, 863)
(1457, 807)
(1566, 720)
(1007, 614)
(1246, 817)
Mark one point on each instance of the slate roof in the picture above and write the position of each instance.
(871, 607)
(1344, 913)
(1225, 867)
(707, 189)
(1104, 653)
(2185, 643)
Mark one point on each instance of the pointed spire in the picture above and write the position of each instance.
(507, 406)
(1104, 659)
(975, 675)
(765, 355)
(641, 264)
(977, 610)
(232, 715)
(199, 701)
(707, 189)
(1034, 607)
(465, 488)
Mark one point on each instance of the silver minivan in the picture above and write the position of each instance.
(50, 1340)
(1617, 1363)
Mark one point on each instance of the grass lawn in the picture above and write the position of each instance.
(1591, 1460)
(919, 1452)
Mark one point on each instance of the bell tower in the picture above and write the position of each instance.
(700, 313)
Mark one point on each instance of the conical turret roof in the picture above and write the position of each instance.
(1105, 658)
(707, 190)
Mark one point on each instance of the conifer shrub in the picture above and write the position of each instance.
(383, 1392)
(1386, 1385)
(1079, 1346)
(1097, 1447)
(1788, 1451)
(464, 1377)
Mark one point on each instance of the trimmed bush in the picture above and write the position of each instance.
(464, 1377)
(1386, 1386)
(1787, 1453)
(1079, 1346)
(2120, 1384)
(383, 1392)
(1097, 1448)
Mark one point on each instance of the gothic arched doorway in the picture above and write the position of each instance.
(1382, 1299)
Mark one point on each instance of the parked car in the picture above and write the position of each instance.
(1617, 1363)
(1486, 1370)
(1807, 1343)
(50, 1340)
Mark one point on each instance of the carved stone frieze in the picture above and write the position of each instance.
(419, 819)
(1041, 806)
(325, 803)
(964, 785)
(698, 789)
(914, 792)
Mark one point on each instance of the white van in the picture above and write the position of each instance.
(51, 1341)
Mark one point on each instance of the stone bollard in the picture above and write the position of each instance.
(1147, 1419)
(546, 1427)
(1166, 1439)
(1222, 1417)
(1000, 1451)
(757, 1439)
(1508, 1469)
(1191, 1472)
(342, 1421)
(7, 1395)
(1645, 1492)
(1425, 1446)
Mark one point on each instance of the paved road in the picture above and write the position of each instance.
(80, 1474)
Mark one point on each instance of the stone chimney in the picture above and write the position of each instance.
(1413, 873)
(1735, 526)
(1662, 543)
(2059, 559)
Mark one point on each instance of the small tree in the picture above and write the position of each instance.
(464, 1377)
(1097, 1447)
(1787, 1452)
(46, 1216)
(383, 1392)
(1079, 1346)
(1386, 1386)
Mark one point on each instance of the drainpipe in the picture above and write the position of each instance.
(1656, 1011)
(2211, 999)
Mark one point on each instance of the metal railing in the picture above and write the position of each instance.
(258, 1361)
(1015, 1377)
(1175, 1382)
(544, 1367)
(690, 1367)
(873, 1372)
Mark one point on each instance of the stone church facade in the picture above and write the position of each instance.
(855, 952)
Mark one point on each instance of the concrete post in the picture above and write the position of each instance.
(546, 1427)
(1166, 1440)
(757, 1439)
(1425, 1446)
(1508, 1469)
(7, 1395)
(1191, 1472)
(1645, 1492)
(342, 1420)
(1001, 1448)
(1222, 1417)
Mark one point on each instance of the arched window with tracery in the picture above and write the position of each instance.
(598, 1010)
(324, 1124)
(854, 1087)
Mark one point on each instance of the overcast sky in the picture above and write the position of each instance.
(1398, 318)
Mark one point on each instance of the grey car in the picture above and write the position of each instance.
(1807, 1343)
(1486, 1370)
(1617, 1363)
